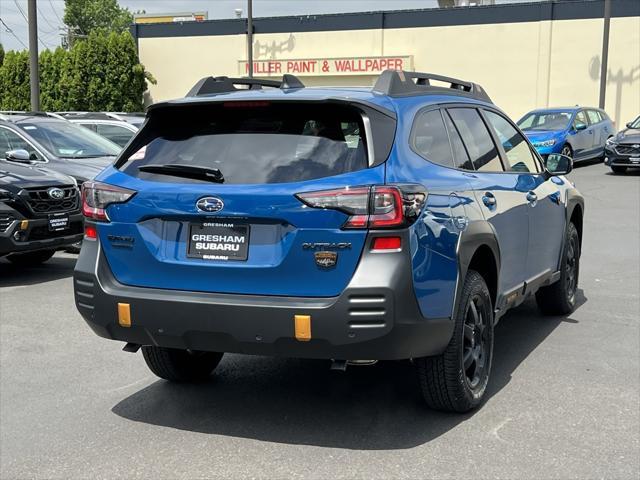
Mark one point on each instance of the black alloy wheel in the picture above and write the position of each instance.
(474, 346)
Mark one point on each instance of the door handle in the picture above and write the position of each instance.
(532, 198)
(489, 200)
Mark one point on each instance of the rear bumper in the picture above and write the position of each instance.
(376, 317)
(37, 237)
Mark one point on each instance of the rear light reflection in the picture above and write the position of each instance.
(386, 243)
(90, 232)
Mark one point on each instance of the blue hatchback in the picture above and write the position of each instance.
(348, 224)
(577, 132)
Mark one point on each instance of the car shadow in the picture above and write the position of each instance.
(631, 172)
(59, 266)
(297, 401)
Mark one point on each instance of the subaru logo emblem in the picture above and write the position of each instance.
(210, 204)
(56, 193)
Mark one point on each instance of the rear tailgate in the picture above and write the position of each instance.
(250, 234)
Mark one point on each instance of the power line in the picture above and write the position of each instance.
(45, 45)
(12, 33)
(46, 20)
(21, 11)
(54, 11)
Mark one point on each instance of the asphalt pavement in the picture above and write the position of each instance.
(563, 401)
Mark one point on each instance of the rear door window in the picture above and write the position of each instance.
(460, 155)
(254, 142)
(477, 139)
(430, 139)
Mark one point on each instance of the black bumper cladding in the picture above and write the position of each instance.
(630, 157)
(39, 234)
(376, 317)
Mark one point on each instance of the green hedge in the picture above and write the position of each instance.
(101, 73)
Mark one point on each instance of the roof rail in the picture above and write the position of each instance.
(213, 85)
(6, 114)
(396, 83)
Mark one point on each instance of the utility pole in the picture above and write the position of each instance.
(605, 53)
(250, 36)
(34, 72)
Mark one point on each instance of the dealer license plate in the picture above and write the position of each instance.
(635, 159)
(218, 241)
(58, 222)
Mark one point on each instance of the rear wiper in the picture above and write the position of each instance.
(186, 171)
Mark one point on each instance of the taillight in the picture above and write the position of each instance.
(380, 206)
(96, 197)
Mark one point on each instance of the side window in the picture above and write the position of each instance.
(580, 118)
(519, 155)
(477, 139)
(593, 117)
(10, 140)
(460, 155)
(115, 133)
(430, 140)
(90, 126)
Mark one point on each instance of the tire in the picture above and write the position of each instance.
(180, 365)
(560, 297)
(445, 382)
(618, 170)
(566, 150)
(31, 259)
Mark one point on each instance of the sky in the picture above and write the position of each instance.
(14, 33)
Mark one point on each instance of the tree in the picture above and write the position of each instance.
(14, 81)
(1, 54)
(85, 16)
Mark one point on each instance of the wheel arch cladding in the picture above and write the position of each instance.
(479, 251)
(577, 219)
(575, 211)
(484, 262)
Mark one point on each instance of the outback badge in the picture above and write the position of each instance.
(326, 259)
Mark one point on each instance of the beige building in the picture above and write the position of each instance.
(525, 55)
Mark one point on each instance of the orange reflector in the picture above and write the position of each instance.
(124, 315)
(24, 224)
(303, 327)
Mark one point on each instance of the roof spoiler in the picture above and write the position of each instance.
(396, 83)
(213, 85)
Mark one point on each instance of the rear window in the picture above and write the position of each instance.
(253, 142)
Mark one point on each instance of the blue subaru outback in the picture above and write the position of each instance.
(262, 217)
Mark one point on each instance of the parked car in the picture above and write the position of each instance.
(334, 223)
(112, 126)
(623, 150)
(577, 132)
(60, 145)
(39, 212)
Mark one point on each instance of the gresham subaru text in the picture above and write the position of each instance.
(399, 222)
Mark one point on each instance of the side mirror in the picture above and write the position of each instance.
(580, 126)
(558, 164)
(18, 155)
